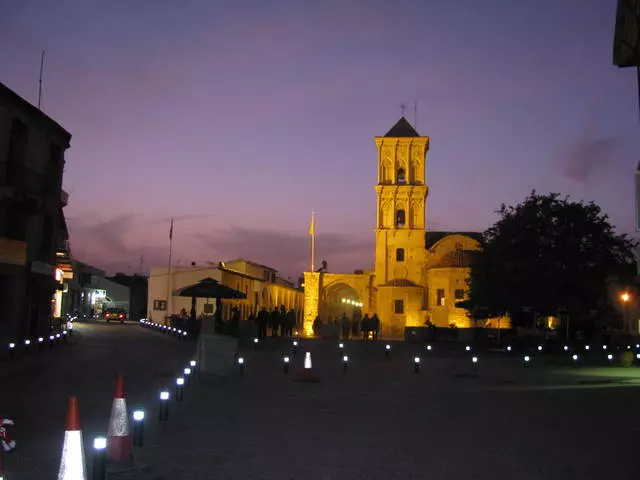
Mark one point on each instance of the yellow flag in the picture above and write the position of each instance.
(312, 227)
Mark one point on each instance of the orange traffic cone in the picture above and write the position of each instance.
(72, 465)
(119, 440)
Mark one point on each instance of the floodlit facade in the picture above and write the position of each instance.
(419, 275)
(261, 285)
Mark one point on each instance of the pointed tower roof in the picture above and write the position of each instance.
(402, 129)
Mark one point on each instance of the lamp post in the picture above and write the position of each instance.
(179, 389)
(285, 362)
(138, 428)
(625, 297)
(164, 406)
(99, 458)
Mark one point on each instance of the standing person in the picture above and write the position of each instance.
(317, 326)
(365, 326)
(291, 321)
(234, 322)
(344, 324)
(275, 321)
(263, 319)
(375, 326)
(283, 321)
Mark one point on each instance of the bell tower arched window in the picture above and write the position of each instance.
(401, 219)
(401, 178)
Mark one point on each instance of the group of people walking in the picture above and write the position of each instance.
(368, 326)
(279, 321)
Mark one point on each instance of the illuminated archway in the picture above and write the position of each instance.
(340, 298)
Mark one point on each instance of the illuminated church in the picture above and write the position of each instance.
(419, 275)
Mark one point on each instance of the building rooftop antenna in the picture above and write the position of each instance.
(40, 80)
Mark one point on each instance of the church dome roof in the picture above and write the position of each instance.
(432, 237)
(456, 259)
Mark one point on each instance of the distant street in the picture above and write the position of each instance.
(35, 390)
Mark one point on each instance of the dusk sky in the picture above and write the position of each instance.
(239, 118)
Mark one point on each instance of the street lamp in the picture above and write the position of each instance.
(625, 297)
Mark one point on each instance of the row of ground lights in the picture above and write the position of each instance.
(12, 347)
(164, 328)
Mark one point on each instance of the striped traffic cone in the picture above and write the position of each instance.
(119, 440)
(72, 465)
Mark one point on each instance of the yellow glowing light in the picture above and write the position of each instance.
(625, 297)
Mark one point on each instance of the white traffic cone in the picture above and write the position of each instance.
(307, 374)
(119, 445)
(72, 464)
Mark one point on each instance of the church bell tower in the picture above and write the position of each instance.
(401, 198)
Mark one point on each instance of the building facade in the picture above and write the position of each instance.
(88, 290)
(419, 275)
(261, 284)
(32, 226)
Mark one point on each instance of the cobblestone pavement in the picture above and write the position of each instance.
(35, 389)
(380, 420)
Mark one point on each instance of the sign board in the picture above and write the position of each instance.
(159, 304)
(13, 252)
(99, 294)
(626, 42)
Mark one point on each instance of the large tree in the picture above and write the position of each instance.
(548, 254)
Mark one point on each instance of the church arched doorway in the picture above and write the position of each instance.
(341, 298)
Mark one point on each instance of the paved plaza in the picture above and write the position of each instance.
(378, 420)
(381, 420)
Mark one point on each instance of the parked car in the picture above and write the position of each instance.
(116, 314)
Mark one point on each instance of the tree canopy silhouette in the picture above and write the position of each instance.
(548, 254)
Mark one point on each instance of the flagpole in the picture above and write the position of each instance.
(313, 241)
(169, 274)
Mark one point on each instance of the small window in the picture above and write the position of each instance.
(440, 297)
(399, 306)
(459, 293)
(399, 254)
(402, 177)
(400, 218)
